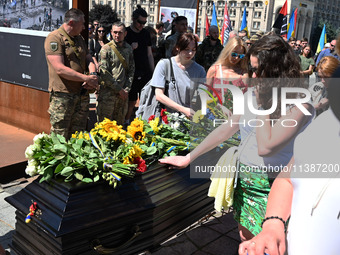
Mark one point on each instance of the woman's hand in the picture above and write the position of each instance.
(188, 112)
(271, 240)
(225, 110)
(176, 162)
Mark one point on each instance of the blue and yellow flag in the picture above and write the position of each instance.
(244, 22)
(214, 20)
(322, 40)
(292, 24)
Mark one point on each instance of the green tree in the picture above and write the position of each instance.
(104, 14)
(331, 33)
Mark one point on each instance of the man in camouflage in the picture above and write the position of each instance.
(209, 50)
(67, 59)
(117, 69)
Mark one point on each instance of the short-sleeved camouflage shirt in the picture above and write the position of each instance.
(57, 44)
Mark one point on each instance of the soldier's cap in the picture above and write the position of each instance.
(259, 33)
(254, 38)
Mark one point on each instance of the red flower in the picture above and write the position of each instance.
(165, 119)
(151, 117)
(163, 113)
(141, 166)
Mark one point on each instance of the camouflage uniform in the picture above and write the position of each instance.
(207, 54)
(69, 102)
(113, 77)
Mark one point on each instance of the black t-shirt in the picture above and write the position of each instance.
(141, 53)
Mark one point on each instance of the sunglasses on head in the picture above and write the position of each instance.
(141, 22)
(234, 55)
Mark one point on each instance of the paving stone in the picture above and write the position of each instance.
(223, 224)
(202, 235)
(222, 246)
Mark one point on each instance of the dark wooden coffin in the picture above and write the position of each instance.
(79, 218)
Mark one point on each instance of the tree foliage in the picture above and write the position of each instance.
(104, 14)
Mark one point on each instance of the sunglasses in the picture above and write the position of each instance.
(141, 22)
(248, 43)
(101, 31)
(332, 45)
(234, 55)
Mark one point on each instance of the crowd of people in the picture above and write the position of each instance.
(119, 65)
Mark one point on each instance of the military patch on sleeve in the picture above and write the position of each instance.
(54, 46)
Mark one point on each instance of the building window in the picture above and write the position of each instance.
(101, 2)
(245, 3)
(200, 12)
(219, 13)
(93, 3)
(124, 4)
(152, 10)
(232, 23)
(256, 25)
(209, 3)
(257, 14)
(232, 12)
(233, 4)
(258, 4)
(220, 3)
(109, 3)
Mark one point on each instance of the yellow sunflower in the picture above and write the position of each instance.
(135, 152)
(109, 130)
(135, 130)
(197, 116)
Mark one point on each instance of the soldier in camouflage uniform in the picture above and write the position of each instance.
(67, 59)
(209, 50)
(117, 69)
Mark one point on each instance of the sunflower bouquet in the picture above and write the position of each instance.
(106, 152)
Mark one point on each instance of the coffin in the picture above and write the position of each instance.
(78, 218)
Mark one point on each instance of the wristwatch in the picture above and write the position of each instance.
(93, 73)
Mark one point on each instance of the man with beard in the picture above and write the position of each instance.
(209, 50)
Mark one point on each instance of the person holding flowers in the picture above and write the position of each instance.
(230, 67)
(186, 72)
(268, 144)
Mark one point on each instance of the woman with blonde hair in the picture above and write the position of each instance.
(326, 67)
(231, 66)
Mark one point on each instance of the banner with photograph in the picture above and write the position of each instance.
(170, 9)
(24, 26)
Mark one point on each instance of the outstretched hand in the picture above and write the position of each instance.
(269, 241)
(176, 162)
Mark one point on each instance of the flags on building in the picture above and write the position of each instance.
(226, 28)
(207, 25)
(214, 20)
(281, 21)
(322, 40)
(244, 22)
(292, 24)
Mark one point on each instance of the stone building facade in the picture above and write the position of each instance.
(261, 14)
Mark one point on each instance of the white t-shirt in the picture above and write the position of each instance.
(317, 231)
(249, 153)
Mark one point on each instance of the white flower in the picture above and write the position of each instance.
(32, 162)
(29, 151)
(176, 114)
(31, 170)
(176, 125)
(39, 137)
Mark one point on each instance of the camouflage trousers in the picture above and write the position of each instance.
(68, 112)
(111, 106)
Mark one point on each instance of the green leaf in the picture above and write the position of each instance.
(78, 176)
(96, 178)
(60, 147)
(59, 156)
(59, 168)
(61, 138)
(48, 173)
(160, 145)
(67, 171)
(93, 155)
(87, 180)
(151, 150)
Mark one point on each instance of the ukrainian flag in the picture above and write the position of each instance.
(322, 40)
(244, 22)
(214, 20)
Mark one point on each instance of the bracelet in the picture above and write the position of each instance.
(93, 73)
(274, 217)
